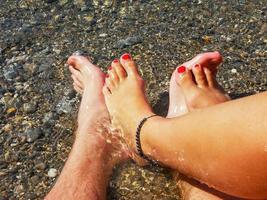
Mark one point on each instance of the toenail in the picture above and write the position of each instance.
(116, 60)
(107, 75)
(197, 66)
(109, 68)
(126, 56)
(181, 69)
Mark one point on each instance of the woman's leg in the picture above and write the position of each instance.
(223, 146)
(189, 188)
(90, 163)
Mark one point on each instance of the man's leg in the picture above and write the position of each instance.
(90, 163)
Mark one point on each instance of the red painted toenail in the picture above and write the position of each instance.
(181, 69)
(197, 66)
(116, 60)
(126, 56)
(109, 68)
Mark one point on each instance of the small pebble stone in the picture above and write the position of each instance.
(52, 173)
(18, 189)
(234, 71)
(33, 134)
(29, 107)
(40, 166)
(129, 41)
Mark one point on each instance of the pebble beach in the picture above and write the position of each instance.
(38, 105)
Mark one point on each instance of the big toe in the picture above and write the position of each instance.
(185, 79)
(79, 62)
(129, 65)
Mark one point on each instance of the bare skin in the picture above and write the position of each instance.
(178, 103)
(87, 170)
(206, 158)
(209, 60)
(193, 190)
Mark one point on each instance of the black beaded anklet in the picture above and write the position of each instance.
(138, 141)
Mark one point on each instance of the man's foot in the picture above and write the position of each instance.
(91, 79)
(177, 105)
(93, 116)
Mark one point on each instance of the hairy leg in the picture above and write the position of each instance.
(196, 144)
(90, 163)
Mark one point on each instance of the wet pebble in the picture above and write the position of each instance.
(10, 72)
(52, 172)
(35, 180)
(234, 71)
(64, 106)
(2, 92)
(40, 166)
(49, 119)
(30, 107)
(33, 134)
(129, 41)
(18, 189)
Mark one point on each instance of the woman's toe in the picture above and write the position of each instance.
(200, 76)
(129, 65)
(109, 83)
(116, 65)
(210, 77)
(184, 78)
(113, 76)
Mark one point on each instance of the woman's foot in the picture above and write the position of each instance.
(177, 105)
(125, 97)
(200, 87)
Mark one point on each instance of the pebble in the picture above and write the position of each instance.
(49, 119)
(35, 180)
(29, 107)
(52, 172)
(11, 111)
(7, 128)
(130, 41)
(10, 72)
(64, 106)
(79, 53)
(33, 134)
(40, 166)
(18, 189)
(103, 35)
(234, 71)
(2, 91)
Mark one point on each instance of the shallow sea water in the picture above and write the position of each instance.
(36, 38)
